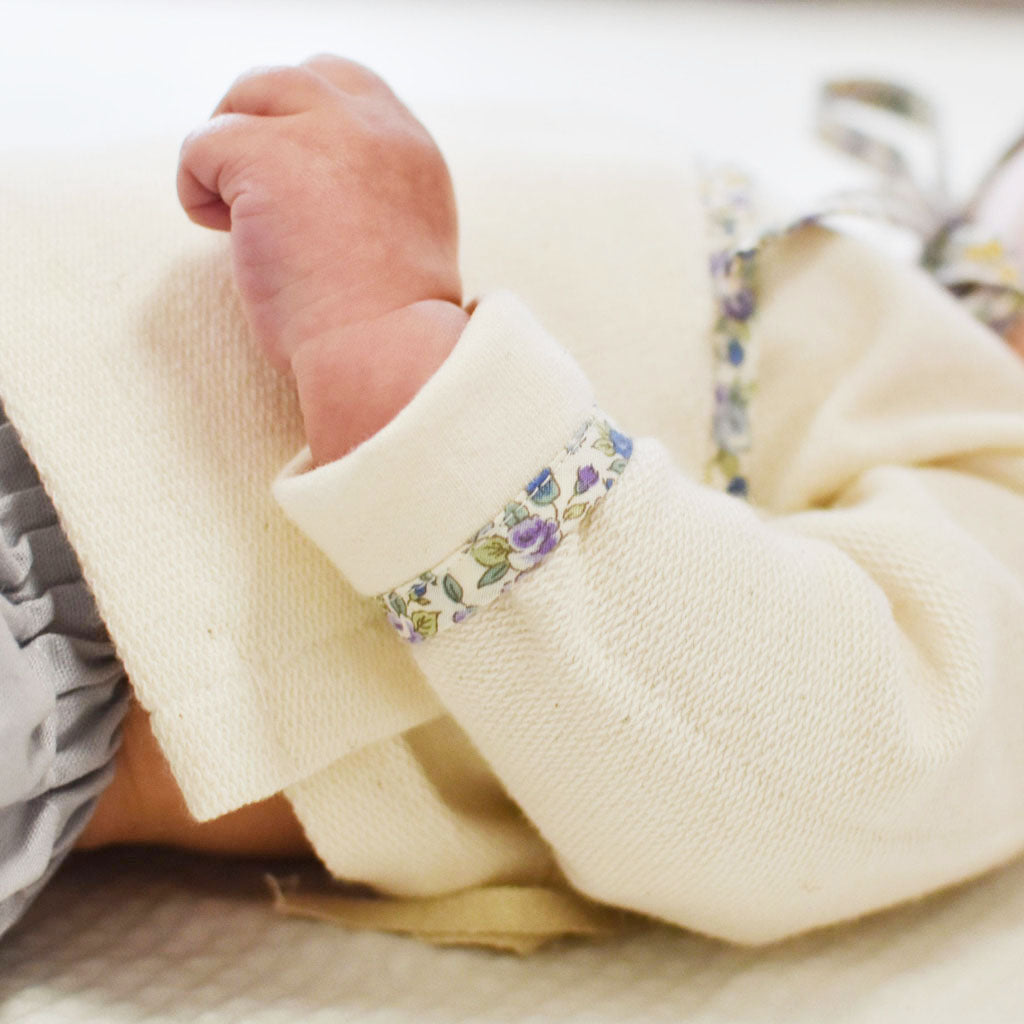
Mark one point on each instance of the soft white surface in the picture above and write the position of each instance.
(114, 944)
(121, 941)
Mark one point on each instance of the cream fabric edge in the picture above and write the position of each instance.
(126, 367)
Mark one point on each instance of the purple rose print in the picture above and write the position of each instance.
(739, 306)
(586, 477)
(531, 540)
(404, 628)
(721, 263)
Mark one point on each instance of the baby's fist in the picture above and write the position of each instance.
(339, 203)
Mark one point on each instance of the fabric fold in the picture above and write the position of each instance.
(505, 401)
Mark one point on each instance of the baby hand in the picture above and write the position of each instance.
(339, 203)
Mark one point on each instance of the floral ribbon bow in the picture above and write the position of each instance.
(874, 122)
(961, 254)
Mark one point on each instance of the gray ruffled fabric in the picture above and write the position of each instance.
(63, 691)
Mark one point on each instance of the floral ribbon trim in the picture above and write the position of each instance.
(980, 271)
(557, 501)
(973, 265)
(734, 245)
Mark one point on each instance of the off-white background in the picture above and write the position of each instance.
(730, 78)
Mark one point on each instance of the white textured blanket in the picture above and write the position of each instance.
(176, 941)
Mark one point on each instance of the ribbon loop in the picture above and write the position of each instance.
(969, 261)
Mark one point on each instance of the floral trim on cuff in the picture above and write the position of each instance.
(552, 505)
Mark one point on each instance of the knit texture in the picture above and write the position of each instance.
(749, 720)
(753, 720)
(612, 257)
(126, 367)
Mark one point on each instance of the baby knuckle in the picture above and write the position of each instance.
(347, 75)
(280, 73)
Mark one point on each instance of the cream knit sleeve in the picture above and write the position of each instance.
(749, 718)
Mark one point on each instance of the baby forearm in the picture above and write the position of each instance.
(353, 381)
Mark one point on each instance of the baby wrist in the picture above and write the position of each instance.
(354, 381)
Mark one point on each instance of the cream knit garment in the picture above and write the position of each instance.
(157, 430)
(747, 719)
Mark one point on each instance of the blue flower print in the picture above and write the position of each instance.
(530, 526)
(623, 445)
(720, 263)
(542, 489)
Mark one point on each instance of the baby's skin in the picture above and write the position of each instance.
(344, 243)
(345, 252)
(343, 236)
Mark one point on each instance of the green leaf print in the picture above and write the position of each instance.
(452, 588)
(398, 605)
(515, 513)
(492, 575)
(618, 466)
(425, 623)
(604, 446)
(728, 463)
(576, 511)
(740, 330)
(492, 551)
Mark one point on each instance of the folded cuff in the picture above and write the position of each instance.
(506, 398)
